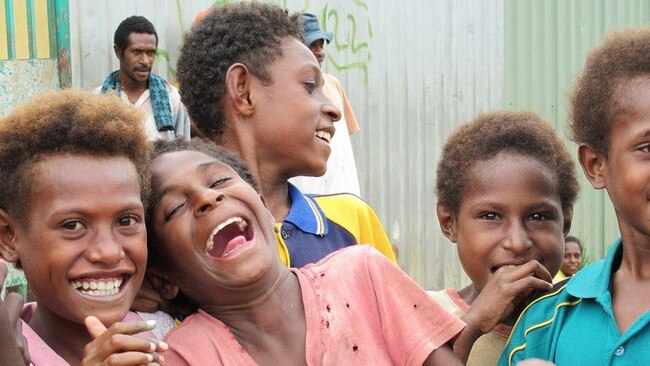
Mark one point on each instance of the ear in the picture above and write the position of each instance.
(568, 218)
(238, 87)
(118, 52)
(8, 227)
(593, 165)
(448, 222)
(161, 283)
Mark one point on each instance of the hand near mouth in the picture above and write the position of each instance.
(506, 293)
(118, 345)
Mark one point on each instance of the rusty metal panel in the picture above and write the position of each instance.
(545, 47)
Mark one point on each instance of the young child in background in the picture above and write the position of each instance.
(572, 261)
(73, 171)
(506, 186)
(601, 316)
(253, 87)
(211, 235)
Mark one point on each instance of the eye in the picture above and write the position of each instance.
(490, 216)
(538, 217)
(644, 148)
(173, 212)
(127, 220)
(73, 225)
(219, 182)
(310, 86)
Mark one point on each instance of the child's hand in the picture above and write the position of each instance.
(117, 345)
(13, 346)
(508, 290)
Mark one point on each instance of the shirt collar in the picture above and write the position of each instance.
(593, 280)
(305, 213)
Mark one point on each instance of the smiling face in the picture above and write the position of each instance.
(572, 258)
(294, 119)
(211, 225)
(137, 59)
(83, 242)
(510, 213)
(625, 171)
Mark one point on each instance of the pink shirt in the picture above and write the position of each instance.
(360, 309)
(40, 353)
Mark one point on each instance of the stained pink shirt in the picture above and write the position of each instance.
(360, 309)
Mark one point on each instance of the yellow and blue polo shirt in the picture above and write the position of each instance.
(319, 225)
(575, 325)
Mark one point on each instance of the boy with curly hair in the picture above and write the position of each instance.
(601, 316)
(253, 87)
(506, 186)
(74, 175)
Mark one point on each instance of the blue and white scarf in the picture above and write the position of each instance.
(162, 111)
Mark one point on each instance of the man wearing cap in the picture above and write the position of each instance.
(341, 175)
(135, 44)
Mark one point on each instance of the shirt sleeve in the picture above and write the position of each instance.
(414, 325)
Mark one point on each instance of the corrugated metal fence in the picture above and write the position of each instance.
(414, 71)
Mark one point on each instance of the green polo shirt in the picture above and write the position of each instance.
(574, 325)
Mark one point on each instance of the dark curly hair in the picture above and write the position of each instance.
(597, 97)
(489, 134)
(250, 33)
(63, 122)
(132, 24)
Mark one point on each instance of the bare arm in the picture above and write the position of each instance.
(443, 356)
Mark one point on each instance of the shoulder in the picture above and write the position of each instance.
(333, 202)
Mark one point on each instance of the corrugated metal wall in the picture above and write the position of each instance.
(545, 47)
(413, 71)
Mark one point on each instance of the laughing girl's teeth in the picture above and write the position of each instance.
(240, 222)
(98, 287)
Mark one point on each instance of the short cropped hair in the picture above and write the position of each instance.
(63, 122)
(250, 33)
(571, 238)
(487, 135)
(595, 97)
(132, 24)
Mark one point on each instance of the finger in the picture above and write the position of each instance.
(134, 358)
(94, 326)
(3, 273)
(14, 305)
(531, 268)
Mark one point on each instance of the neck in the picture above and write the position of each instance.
(272, 185)
(130, 86)
(66, 338)
(636, 253)
(274, 316)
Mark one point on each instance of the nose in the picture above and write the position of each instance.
(516, 238)
(105, 248)
(208, 200)
(331, 110)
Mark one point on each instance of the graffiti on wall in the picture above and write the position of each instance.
(351, 39)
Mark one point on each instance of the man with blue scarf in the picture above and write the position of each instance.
(135, 44)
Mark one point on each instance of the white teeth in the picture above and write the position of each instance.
(324, 135)
(242, 226)
(98, 288)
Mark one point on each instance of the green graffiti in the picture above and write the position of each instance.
(348, 41)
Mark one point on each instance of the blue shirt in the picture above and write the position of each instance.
(575, 324)
(319, 225)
